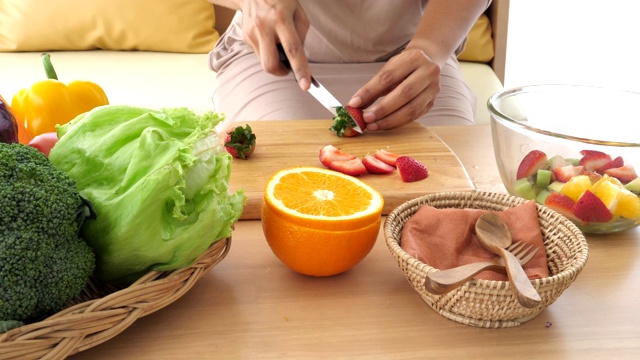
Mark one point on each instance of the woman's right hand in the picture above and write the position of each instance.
(266, 23)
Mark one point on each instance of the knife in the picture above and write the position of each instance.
(318, 91)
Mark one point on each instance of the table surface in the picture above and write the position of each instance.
(251, 306)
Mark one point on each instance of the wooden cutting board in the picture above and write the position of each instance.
(282, 144)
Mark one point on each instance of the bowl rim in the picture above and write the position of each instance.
(506, 120)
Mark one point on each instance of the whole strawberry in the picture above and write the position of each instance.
(346, 119)
(240, 142)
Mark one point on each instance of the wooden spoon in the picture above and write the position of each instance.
(494, 235)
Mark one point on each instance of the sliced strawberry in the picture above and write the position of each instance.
(592, 159)
(240, 142)
(590, 153)
(346, 119)
(350, 132)
(561, 203)
(531, 163)
(615, 163)
(356, 114)
(376, 166)
(564, 173)
(411, 169)
(386, 157)
(589, 208)
(625, 174)
(353, 167)
(330, 153)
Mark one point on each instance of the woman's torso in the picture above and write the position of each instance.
(341, 31)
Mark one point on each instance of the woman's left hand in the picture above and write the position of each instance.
(402, 91)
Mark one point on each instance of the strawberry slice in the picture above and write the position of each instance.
(589, 208)
(376, 166)
(330, 154)
(531, 163)
(565, 173)
(590, 153)
(592, 159)
(346, 119)
(353, 167)
(386, 157)
(561, 203)
(615, 163)
(625, 174)
(411, 169)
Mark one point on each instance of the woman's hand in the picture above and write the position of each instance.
(402, 91)
(269, 22)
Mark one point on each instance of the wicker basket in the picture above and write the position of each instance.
(102, 312)
(487, 303)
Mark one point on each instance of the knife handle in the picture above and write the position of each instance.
(285, 61)
(283, 57)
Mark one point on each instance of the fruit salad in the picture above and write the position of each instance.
(597, 191)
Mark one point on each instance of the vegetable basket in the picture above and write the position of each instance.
(101, 312)
(488, 303)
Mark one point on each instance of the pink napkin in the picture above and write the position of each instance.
(446, 238)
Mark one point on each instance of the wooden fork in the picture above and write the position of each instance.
(443, 281)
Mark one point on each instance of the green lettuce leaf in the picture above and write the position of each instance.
(159, 182)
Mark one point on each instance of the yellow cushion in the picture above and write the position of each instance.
(185, 26)
(479, 45)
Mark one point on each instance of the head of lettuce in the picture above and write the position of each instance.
(158, 181)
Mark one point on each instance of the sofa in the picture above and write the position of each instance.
(153, 62)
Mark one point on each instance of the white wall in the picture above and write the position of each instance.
(574, 41)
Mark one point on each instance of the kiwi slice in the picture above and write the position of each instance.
(557, 161)
(555, 186)
(525, 188)
(543, 178)
(542, 196)
(633, 185)
(573, 161)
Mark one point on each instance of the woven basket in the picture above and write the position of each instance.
(487, 303)
(102, 312)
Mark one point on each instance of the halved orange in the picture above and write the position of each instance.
(318, 221)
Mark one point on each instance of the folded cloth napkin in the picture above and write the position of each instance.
(446, 238)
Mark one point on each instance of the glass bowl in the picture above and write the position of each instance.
(575, 149)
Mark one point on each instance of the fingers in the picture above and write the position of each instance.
(404, 115)
(284, 23)
(402, 91)
(298, 61)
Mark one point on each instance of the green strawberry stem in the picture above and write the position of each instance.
(342, 121)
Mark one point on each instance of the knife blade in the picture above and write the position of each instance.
(318, 91)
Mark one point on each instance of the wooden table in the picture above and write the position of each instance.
(251, 307)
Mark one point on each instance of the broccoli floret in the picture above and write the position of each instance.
(44, 263)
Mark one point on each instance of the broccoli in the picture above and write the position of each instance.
(44, 263)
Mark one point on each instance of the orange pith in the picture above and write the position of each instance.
(320, 222)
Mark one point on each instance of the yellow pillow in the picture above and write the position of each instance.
(150, 25)
(479, 45)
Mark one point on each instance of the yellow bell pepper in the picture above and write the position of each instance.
(50, 102)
